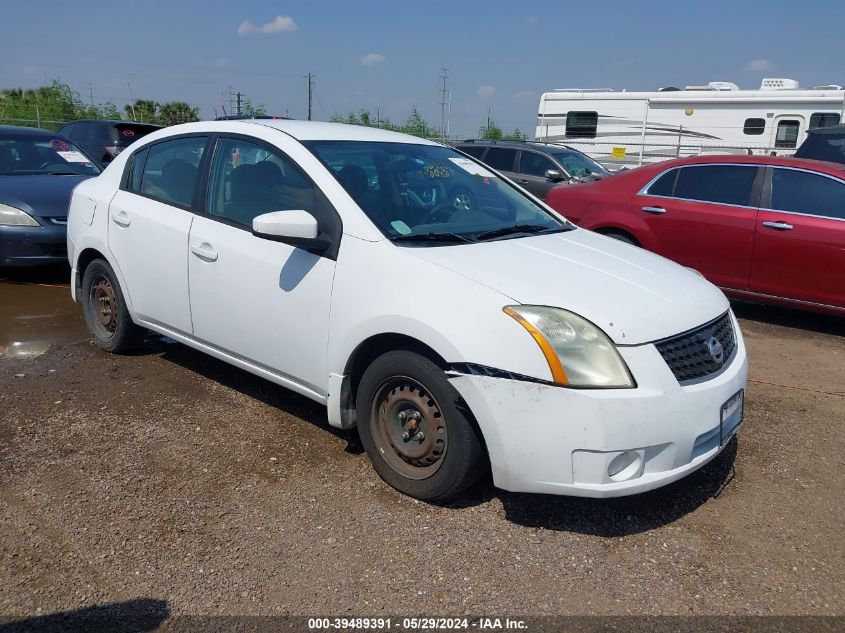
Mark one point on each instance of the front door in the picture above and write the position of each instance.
(800, 246)
(532, 173)
(260, 300)
(149, 221)
(704, 219)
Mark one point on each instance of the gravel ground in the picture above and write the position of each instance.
(171, 477)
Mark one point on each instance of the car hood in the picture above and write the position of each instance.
(44, 195)
(633, 295)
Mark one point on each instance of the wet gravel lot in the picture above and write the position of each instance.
(167, 475)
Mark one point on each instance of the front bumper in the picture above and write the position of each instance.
(33, 245)
(549, 439)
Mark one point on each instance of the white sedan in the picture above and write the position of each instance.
(456, 320)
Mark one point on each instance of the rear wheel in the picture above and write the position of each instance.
(106, 314)
(412, 429)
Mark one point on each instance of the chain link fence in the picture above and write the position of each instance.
(633, 154)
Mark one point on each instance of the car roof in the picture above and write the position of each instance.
(831, 129)
(301, 130)
(25, 131)
(114, 122)
(775, 161)
(538, 145)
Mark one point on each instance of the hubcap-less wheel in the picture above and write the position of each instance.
(104, 304)
(410, 431)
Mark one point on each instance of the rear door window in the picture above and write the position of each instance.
(722, 184)
(501, 158)
(807, 193)
(665, 185)
(171, 169)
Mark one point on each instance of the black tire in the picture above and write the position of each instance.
(400, 382)
(622, 237)
(106, 315)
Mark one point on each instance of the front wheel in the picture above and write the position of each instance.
(106, 314)
(412, 429)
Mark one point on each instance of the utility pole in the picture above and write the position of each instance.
(310, 79)
(444, 102)
(91, 93)
(238, 95)
(131, 102)
(488, 118)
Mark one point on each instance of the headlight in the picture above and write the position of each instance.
(579, 354)
(12, 216)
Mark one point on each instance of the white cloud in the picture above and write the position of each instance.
(759, 65)
(224, 62)
(530, 20)
(280, 24)
(486, 91)
(525, 94)
(372, 58)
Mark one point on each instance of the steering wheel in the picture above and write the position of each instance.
(459, 200)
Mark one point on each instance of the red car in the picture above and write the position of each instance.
(768, 229)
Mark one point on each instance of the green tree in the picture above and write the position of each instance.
(176, 112)
(50, 106)
(250, 109)
(491, 131)
(145, 110)
(416, 125)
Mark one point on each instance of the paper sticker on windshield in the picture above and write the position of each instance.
(474, 168)
(74, 157)
(58, 145)
(401, 227)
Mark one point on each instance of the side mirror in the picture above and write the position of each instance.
(554, 174)
(297, 228)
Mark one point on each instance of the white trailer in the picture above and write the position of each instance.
(630, 128)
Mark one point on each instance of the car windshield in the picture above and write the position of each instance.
(579, 165)
(33, 154)
(429, 194)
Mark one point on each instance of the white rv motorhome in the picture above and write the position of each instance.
(630, 128)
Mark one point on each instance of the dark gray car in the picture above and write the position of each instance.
(535, 166)
(824, 143)
(103, 140)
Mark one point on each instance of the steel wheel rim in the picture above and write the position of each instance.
(103, 304)
(409, 428)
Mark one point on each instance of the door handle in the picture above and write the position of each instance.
(778, 226)
(204, 251)
(522, 181)
(655, 210)
(121, 218)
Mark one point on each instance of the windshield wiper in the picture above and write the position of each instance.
(520, 228)
(431, 237)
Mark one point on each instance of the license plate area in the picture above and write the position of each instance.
(731, 416)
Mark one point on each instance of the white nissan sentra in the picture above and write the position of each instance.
(456, 320)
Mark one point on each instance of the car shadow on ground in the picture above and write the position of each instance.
(789, 317)
(142, 614)
(253, 386)
(58, 275)
(600, 517)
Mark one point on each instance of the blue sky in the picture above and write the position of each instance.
(387, 55)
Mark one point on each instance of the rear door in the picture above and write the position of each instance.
(800, 245)
(532, 173)
(703, 216)
(149, 222)
(502, 159)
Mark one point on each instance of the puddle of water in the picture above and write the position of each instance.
(35, 317)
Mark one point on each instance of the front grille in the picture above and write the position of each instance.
(694, 354)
